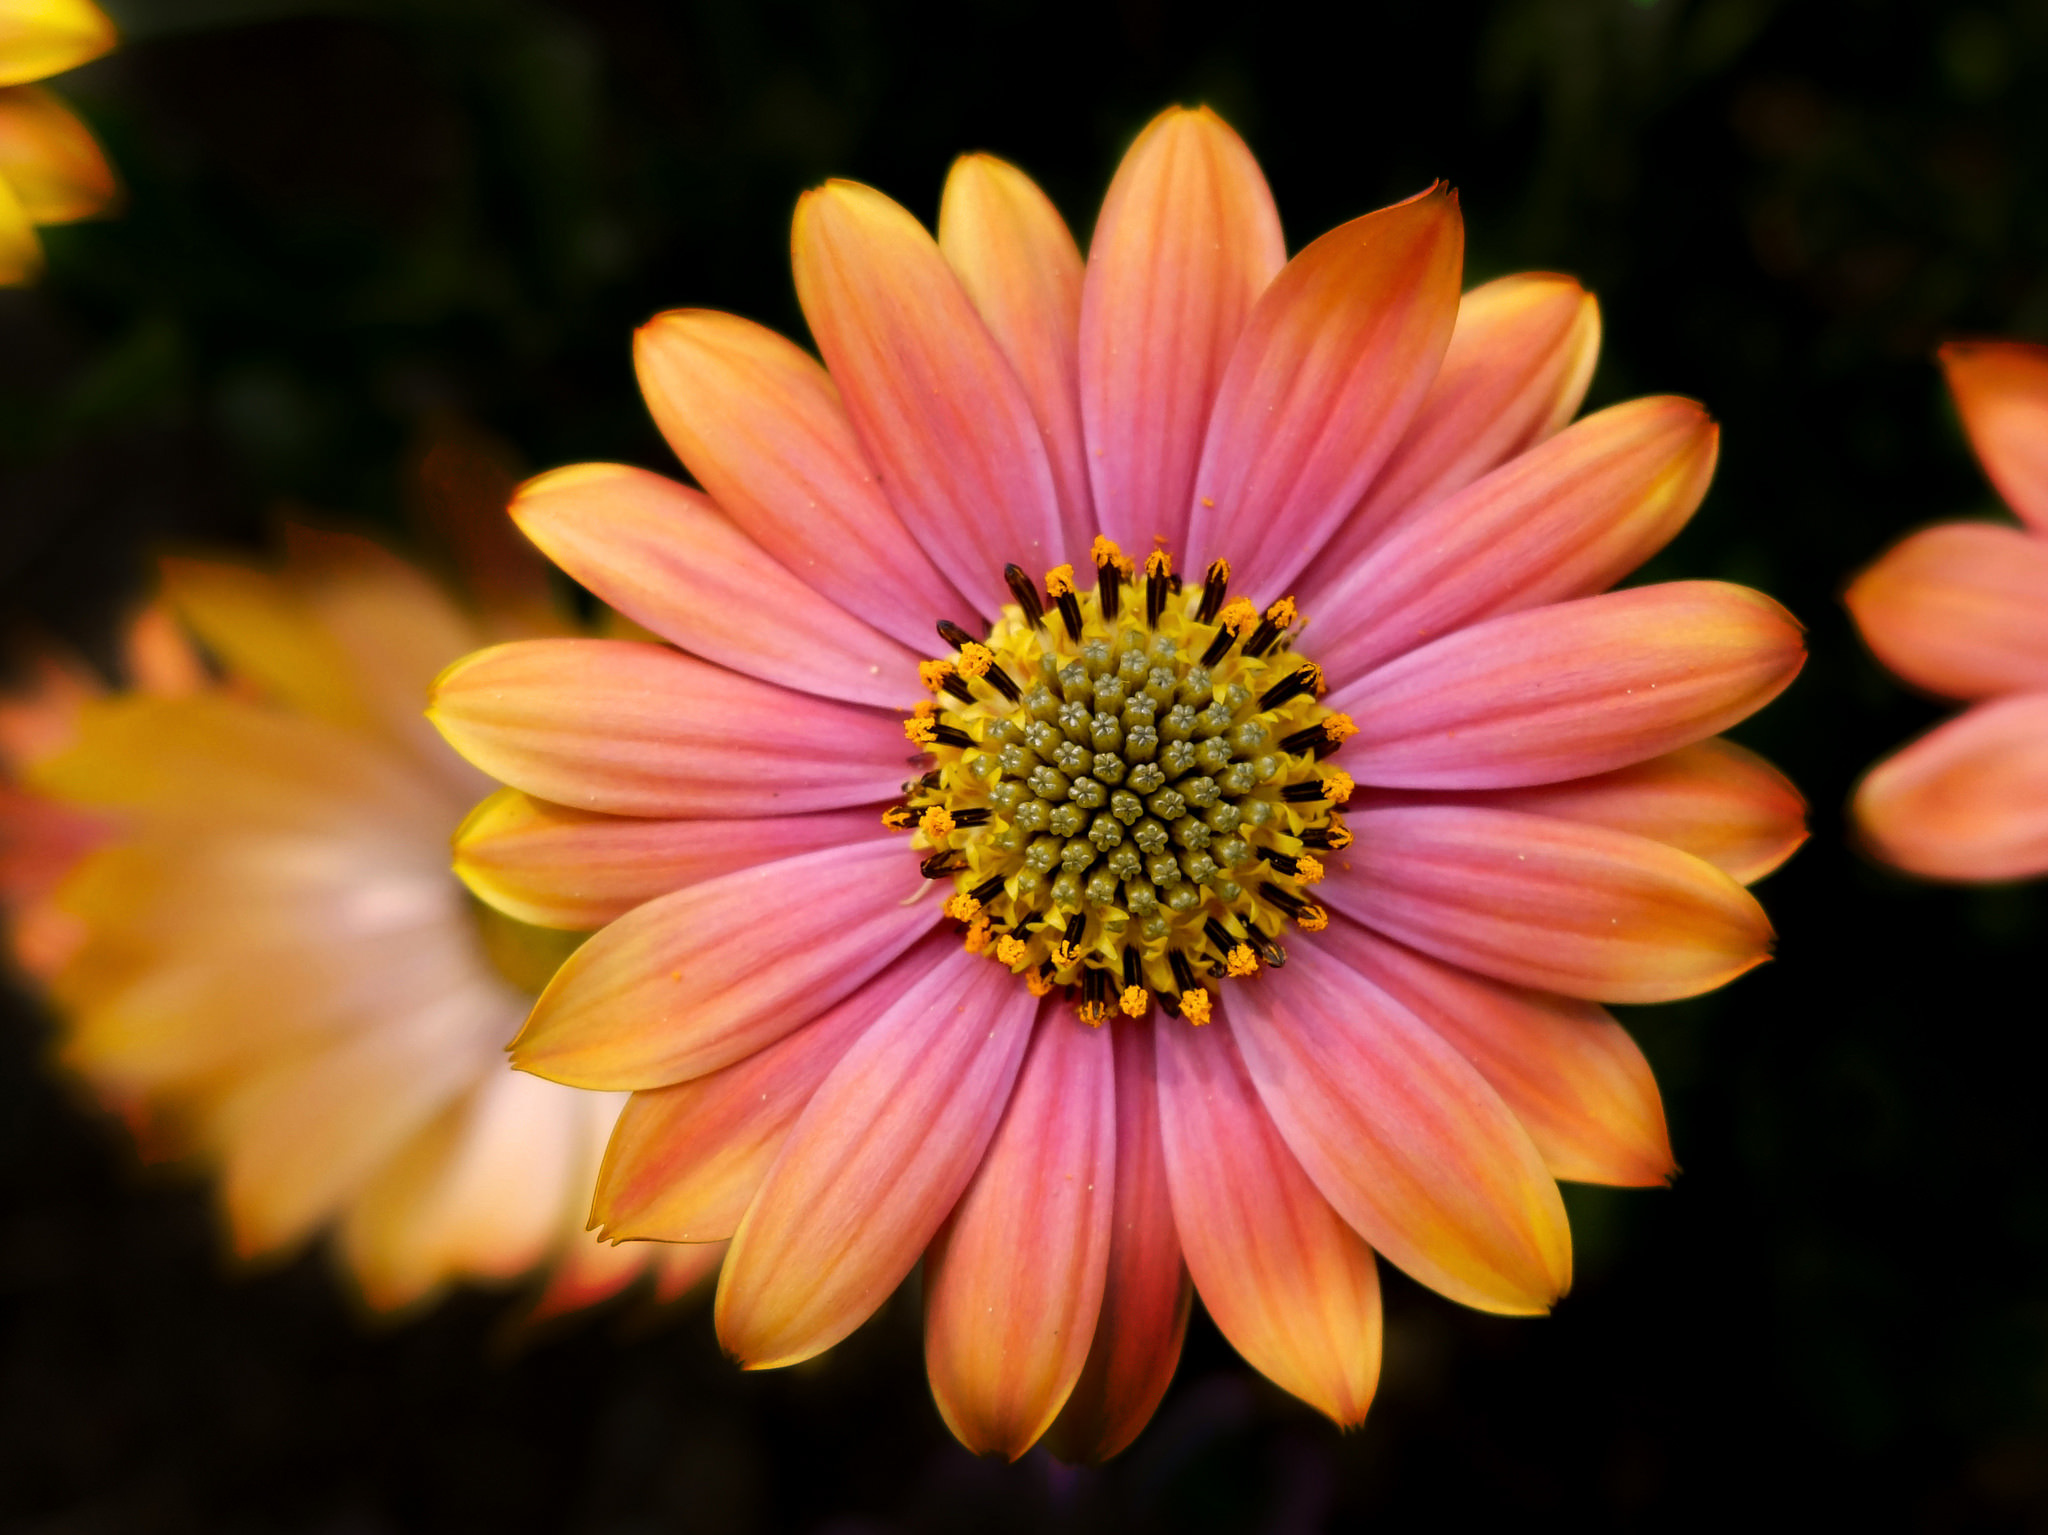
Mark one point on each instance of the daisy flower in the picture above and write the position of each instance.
(51, 170)
(1961, 610)
(237, 895)
(1146, 783)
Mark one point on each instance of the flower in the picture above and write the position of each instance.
(1961, 610)
(51, 170)
(1030, 1021)
(258, 952)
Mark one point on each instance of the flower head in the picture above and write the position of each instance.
(1077, 966)
(265, 960)
(51, 170)
(1961, 610)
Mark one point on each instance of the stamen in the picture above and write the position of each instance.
(1269, 950)
(1309, 871)
(1282, 862)
(1158, 577)
(939, 865)
(1028, 600)
(954, 635)
(1112, 565)
(1134, 969)
(1277, 618)
(1060, 582)
(976, 940)
(1307, 913)
(1299, 683)
(1321, 738)
(1237, 616)
(1333, 838)
(1183, 973)
(1338, 785)
(1133, 1001)
(1039, 981)
(899, 817)
(1219, 935)
(1215, 587)
(1241, 962)
(987, 890)
(1195, 1004)
(951, 735)
(1012, 950)
(962, 907)
(1077, 925)
(973, 815)
(1094, 1008)
(936, 823)
(1304, 793)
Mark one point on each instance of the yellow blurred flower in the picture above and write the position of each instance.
(51, 171)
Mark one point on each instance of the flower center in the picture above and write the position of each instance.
(1128, 791)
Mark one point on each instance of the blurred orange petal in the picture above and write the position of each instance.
(51, 159)
(1960, 610)
(39, 38)
(1968, 800)
(2001, 389)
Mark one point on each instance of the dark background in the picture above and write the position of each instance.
(345, 224)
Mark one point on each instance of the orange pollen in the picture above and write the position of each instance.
(1340, 835)
(1241, 962)
(1133, 1001)
(1238, 615)
(937, 823)
(899, 817)
(1012, 951)
(1337, 785)
(1158, 563)
(1308, 870)
(933, 674)
(1339, 727)
(1059, 581)
(1312, 919)
(1105, 553)
(1282, 613)
(1194, 1006)
(962, 907)
(1094, 1014)
(1038, 985)
(920, 730)
(977, 935)
(1065, 955)
(975, 660)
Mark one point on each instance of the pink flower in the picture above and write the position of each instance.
(1961, 610)
(970, 1028)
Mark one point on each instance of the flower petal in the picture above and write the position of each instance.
(1516, 369)
(686, 1160)
(2001, 390)
(938, 407)
(1566, 519)
(1013, 255)
(1713, 799)
(1968, 800)
(1552, 904)
(21, 252)
(1014, 1279)
(707, 976)
(1403, 1137)
(1961, 610)
(1146, 1295)
(1567, 1070)
(875, 1164)
(556, 867)
(637, 729)
(758, 423)
(1187, 240)
(668, 559)
(50, 158)
(47, 37)
(1331, 366)
(1290, 1285)
(1572, 689)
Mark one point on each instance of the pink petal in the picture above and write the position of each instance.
(1566, 519)
(875, 1164)
(1290, 1285)
(668, 559)
(1572, 689)
(636, 729)
(1014, 1279)
(575, 869)
(1567, 1070)
(1551, 904)
(1146, 1295)
(1713, 799)
(1018, 264)
(1969, 800)
(1186, 242)
(1403, 1137)
(1961, 610)
(707, 976)
(686, 1160)
(1516, 369)
(760, 426)
(938, 407)
(2001, 390)
(1326, 376)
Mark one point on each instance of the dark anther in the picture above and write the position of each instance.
(1280, 861)
(1215, 587)
(1300, 681)
(952, 735)
(953, 634)
(1169, 1004)
(1299, 793)
(1134, 972)
(1219, 647)
(1077, 924)
(1157, 584)
(939, 865)
(1269, 950)
(931, 780)
(1025, 590)
(1095, 988)
(1219, 935)
(1109, 586)
(1070, 614)
(1183, 972)
(958, 687)
(1312, 739)
(899, 816)
(1173, 583)
(1003, 682)
(1293, 905)
(989, 888)
(1325, 839)
(977, 815)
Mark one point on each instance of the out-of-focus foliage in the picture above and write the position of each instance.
(347, 223)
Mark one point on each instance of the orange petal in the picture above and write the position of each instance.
(50, 158)
(1572, 689)
(1146, 1294)
(875, 1164)
(39, 38)
(1404, 1138)
(1713, 799)
(21, 253)
(1014, 1279)
(707, 976)
(1290, 1285)
(575, 869)
(1551, 904)
(1012, 253)
(668, 559)
(1968, 800)
(1187, 240)
(636, 729)
(1330, 368)
(1566, 519)
(685, 1161)
(758, 423)
(939, 410)
(1567, 1070)
(1961, 610)
(2001, 390)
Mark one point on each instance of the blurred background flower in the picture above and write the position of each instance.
(51, 169)
(340, 222)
